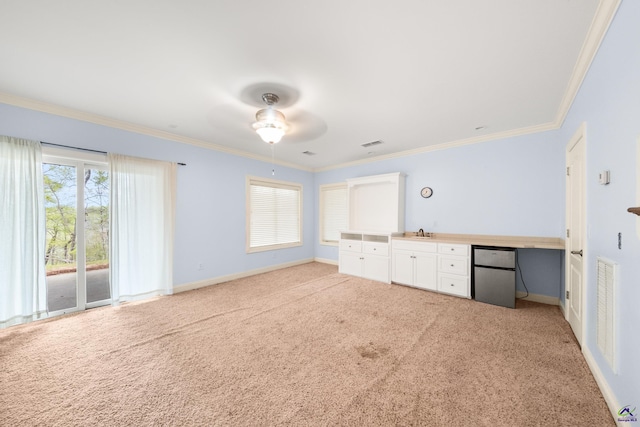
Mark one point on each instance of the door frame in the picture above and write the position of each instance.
(81, 161)
(580, 134)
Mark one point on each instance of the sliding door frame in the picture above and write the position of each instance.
(81, 161)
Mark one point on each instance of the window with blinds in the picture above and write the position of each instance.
(333, 212)
(274, 214)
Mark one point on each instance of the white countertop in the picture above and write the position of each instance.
(489, 240)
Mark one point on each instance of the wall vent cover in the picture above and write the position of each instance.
(371, 144)
(605, 317)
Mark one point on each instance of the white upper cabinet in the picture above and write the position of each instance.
(376, 203)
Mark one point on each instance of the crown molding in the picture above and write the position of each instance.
(458, 143)
(598, 29)
(31, 104)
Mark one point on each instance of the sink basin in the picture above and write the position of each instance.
(426, 236)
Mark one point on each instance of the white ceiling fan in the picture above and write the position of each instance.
(266, 108)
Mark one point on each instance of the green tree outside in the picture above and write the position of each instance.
(61, 216)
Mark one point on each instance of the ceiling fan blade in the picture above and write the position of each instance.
(230, 119)
(304, 127)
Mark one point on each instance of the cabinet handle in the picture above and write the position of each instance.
(452, 265)
(452, 249)
(452, 284)
(374, 249)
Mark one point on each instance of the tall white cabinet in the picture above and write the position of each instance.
(376, 214)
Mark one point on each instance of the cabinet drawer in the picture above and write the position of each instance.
(452, 284)
(454, 264)
(405, 245)
(375, 248)
(351, 245)
(453, 249)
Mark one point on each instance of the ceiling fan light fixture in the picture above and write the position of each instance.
(270, 133)
(270, 123)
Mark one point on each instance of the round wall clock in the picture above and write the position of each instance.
(426, 192)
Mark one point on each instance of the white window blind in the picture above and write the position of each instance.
(274, 214)
(333, 212)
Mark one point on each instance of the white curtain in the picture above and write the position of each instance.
(142, 222)
(23, 292)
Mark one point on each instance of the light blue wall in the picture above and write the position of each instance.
(210, 220)
(512, 186)
(541, 270)
(609, 103)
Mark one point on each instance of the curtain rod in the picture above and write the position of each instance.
(86, 149)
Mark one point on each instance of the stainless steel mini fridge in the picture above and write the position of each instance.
(494, 275)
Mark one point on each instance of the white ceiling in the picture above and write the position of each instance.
(412, 73)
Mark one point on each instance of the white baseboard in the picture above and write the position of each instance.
(564, 313)
(543, 299)
(326, 261)
(215, 280)
(607, 393)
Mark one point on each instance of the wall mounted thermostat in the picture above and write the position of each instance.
(426, 192)
(604, 177)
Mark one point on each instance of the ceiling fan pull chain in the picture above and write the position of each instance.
(273, 167)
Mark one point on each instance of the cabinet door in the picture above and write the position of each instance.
(402, 267)
(376, 268)
(426, 271)
(350, 263)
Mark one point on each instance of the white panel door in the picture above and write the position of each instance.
(575, 206)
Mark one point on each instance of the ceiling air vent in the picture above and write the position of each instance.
(371, 144)
(309, 153)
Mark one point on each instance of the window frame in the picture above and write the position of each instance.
(272, 183)
(321, 207)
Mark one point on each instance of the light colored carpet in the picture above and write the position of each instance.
(299, 346)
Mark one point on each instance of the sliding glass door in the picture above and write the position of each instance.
(96, 234)
(77, 243)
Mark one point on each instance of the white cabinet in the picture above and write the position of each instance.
(350, 261)
(454, 269)
(443, 267)
(365, 255)
(414, 264)
(453, 284)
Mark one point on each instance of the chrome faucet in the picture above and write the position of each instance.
(420, 233)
